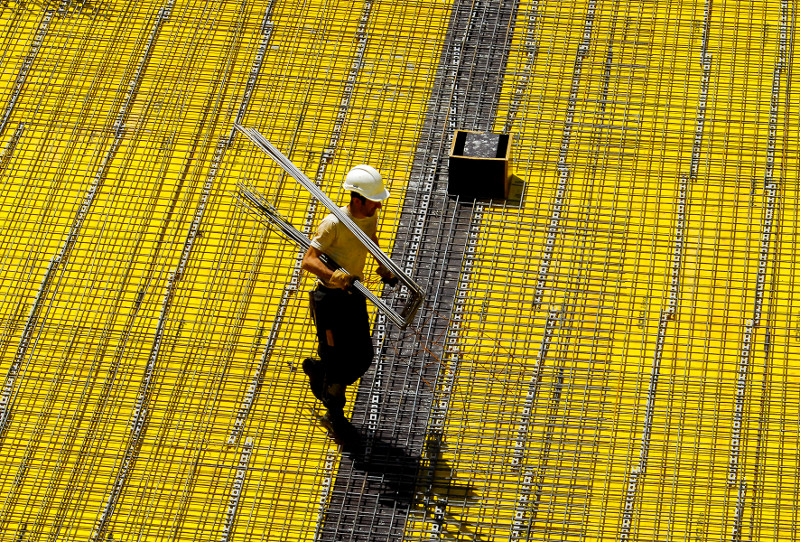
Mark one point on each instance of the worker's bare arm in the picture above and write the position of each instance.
(312, 262)
(385, 275)
(375, 240)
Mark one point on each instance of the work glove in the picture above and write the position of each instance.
(341, 279)
(386, 276)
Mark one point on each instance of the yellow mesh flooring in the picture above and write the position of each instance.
(554, 402)
(81, 376)
(605, 388)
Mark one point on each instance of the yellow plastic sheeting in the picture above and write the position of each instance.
(582, 360)
(128, 111)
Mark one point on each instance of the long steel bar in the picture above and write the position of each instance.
(524, 513)
(527, 500)
(563, 167)
(771, 186)
(221, 82)
(260, 205)
(224, 143)
(213, 178)
(416, 295)
(451, 355)
(266, 29)
(236, 490)
(137, 424)
(421, 200)
(384, 416)
(122, 347)
(27, 64)
(635, 478)
(8, 150)
(530, 46)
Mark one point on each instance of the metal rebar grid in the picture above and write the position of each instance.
(611, 354)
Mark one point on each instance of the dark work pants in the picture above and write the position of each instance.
(345, 343)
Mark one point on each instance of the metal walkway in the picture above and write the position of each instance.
(398, 407)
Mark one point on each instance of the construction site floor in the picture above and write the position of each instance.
(612, 352)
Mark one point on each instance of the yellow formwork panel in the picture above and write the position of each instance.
(159, 187)
(609, 283)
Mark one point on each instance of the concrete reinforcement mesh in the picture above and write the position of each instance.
(612, 353)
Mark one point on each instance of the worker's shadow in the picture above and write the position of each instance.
(441, 497)
(395, 468)
(423, 482)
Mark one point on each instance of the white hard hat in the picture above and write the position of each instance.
(366, 181)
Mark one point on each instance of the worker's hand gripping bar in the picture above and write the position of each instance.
(259, 204)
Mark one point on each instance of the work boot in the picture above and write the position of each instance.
(339, 428)
(313, 369)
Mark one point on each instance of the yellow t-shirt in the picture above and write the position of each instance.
(334, 239)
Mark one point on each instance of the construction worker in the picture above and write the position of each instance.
(339, 311)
